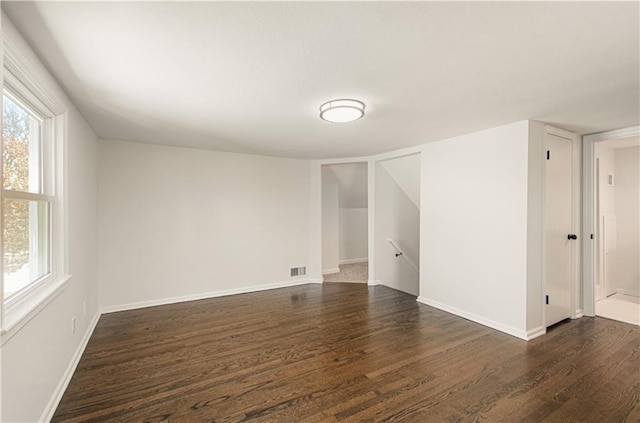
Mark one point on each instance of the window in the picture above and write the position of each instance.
(32, 190)
(27, 196)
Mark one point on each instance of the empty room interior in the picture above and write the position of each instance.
(320, 211)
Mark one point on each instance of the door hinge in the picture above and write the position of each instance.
(548, 154)
(546, 299)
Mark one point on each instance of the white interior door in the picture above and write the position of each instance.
(558, 228)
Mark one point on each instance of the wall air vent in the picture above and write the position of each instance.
(298, 271)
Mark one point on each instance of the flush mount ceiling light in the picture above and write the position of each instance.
(342, 111)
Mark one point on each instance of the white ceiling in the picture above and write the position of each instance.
(249, 77)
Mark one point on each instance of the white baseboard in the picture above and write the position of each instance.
(315, 280)
(578, 314)
(535, 332)
(372, 282)
(330, 271)
(352, 261)
(51, 407)
(204, 295)
(627, 292)
(478, 319)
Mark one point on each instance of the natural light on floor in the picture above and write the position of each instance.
(620, 307)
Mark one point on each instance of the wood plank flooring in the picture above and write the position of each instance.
(346, 352)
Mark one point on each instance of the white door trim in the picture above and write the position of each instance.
(588, 210)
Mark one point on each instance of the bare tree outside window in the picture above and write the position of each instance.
(25, 220)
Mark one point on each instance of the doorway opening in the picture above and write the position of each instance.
(611, 209)
(397, 223)
(617, 231)
(345, 223)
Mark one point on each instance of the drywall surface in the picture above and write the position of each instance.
(398, 219)
(474, 226)
(177, 222)
(406, 172)
(352, 183)
(606, 214)
(352, 229)
(36, 360)
(330, 226)
(535, 229)
(605, 155)
(627, 203)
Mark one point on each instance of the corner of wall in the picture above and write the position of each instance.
(51, 407)
(535, 172)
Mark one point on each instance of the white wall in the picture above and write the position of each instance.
(606, 209)
(179, 223)
(352, 183)
(627, 204)
(36, 360)
(352, 234)
(535, 229)
(397, 218)
(474, 192)
(330, 226)
(406, 172)
(605, 155)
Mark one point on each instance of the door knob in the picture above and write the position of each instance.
(572, 236)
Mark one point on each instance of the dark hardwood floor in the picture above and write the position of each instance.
(346, 352)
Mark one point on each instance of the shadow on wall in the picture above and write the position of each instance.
(397, 211)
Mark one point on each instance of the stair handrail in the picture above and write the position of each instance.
(400, 253)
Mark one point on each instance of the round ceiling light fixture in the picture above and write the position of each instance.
(342, 111)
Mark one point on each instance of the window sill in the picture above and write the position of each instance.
(18, 315)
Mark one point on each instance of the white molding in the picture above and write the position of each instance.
(347, 160)
(23, 70)
(615, 134)
(396, 154)
(578, 314)
(320, 281)
(588, 228)
(393, 154)
(371, 219)
(478, 319)
(353, 261)
(372, 282)
(204, 295)
(330, 271)
(627, 292)
(15, 317)
(51, 407)
(536, 332)
(562, 133)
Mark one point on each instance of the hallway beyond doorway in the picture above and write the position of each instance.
(352, 272)
(620, 307)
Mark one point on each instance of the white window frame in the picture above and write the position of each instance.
(33, 90)
(46, 173)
